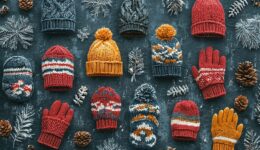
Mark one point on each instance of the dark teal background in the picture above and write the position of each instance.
(83, 119)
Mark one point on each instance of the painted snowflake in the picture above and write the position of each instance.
(110, 144)
(16, 31)
(98, 7)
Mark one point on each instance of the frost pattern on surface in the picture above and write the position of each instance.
(110, 144)
(173, 6)
(135, 63)
(83, 34)
(251, 141)
(98, 7)
(16, 30)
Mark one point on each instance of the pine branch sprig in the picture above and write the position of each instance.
(23, 124)
(173, 6)
(179, 90)
(257, 105)
(237, 7)
(81, 95)
(135, 63)
(251, 141)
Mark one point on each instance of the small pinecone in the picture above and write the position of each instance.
(241, 103)
(170, 148)
(82, 138)
(4, 10)
(5, 128)
(30, 147)
(246, 74)
(26, 4)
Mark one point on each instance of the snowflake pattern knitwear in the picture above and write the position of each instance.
(145, 113)
(55, 123)
(185, 121)
(106, 108)
(17, 80)
(58, 69)
(166, 52)
(208, 19)
(211, 73)
(104, 58)
(58, 16)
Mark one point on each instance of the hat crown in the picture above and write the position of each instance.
(186, 107)
(58, 51)
(17, 61)
(106, 94)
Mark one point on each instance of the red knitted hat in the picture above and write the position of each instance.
(106, 108)
(208, 19)
(58, 69)
(185, 121)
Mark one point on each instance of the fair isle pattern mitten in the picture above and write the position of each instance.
(58, 69)
(145, 113)
(166, 53)
(211, 73)
(106, 108)
(224, 130)
(17, 80)
(185, 121)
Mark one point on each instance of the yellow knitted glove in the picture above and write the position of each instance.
(224, 129)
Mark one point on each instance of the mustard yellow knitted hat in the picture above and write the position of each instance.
(104, 57)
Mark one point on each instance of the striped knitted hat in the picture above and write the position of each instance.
(58, 69)
(166, 53)
(185, 122)
(145, 112)
(106, 108)
(17, 78)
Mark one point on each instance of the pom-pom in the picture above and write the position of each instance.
(166, 32)
(104, 34)
(145, 92)
(241, 103)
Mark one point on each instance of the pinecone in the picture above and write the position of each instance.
(5, 128)
(246, 74)
(241, 103)
(26, 4)
(4, 10)
(170, 148)
(30, 147)
(82, 138)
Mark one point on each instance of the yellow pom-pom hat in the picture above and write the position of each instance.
(104, 57)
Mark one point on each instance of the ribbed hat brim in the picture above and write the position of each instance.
(164, 70)
(104, 68)
(209, 29)
(57, 25)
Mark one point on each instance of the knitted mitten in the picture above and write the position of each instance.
(55, 123)
(210, 76)
(145, 112)
(106, 108)
(224, 130)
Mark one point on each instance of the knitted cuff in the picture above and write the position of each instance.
(58, 82)
(49, 140)
(214, 91)
(106, 124)
(223, 146)
(164, 70)
(184, 135)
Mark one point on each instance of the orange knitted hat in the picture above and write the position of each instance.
(104, 57)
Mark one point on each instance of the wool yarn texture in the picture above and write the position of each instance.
(185, 121)
(58, 69)
(211, 73)
(208, 19)
(134, 18)
(104, 58)
(145, 113)
(166, 52)
(224, 129)
(55, 123)
(106, 108)
(58, 16)
(17, 82)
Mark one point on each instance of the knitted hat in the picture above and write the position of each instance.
(17, 78)
(58, 16)
(166, 52)
(145, 113)
(185, 122)
(208, 19)
(58, 69)
(134, 18)
(104, 57)
(106, 108)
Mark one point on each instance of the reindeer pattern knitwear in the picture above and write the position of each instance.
(17, 82)
(145, 113)
(106, 108)
(58, 69)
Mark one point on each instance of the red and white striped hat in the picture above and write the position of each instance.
(58, 69)
(185, 121)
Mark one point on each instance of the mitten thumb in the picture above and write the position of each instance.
(195, 72)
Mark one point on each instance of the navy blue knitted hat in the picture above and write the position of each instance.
(58, 16)
(17, 80)
(145, 113)
(166, 53)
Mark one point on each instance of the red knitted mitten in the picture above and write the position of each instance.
(210, 76)
(55, 122)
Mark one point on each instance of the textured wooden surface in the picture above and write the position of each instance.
(83, 119)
